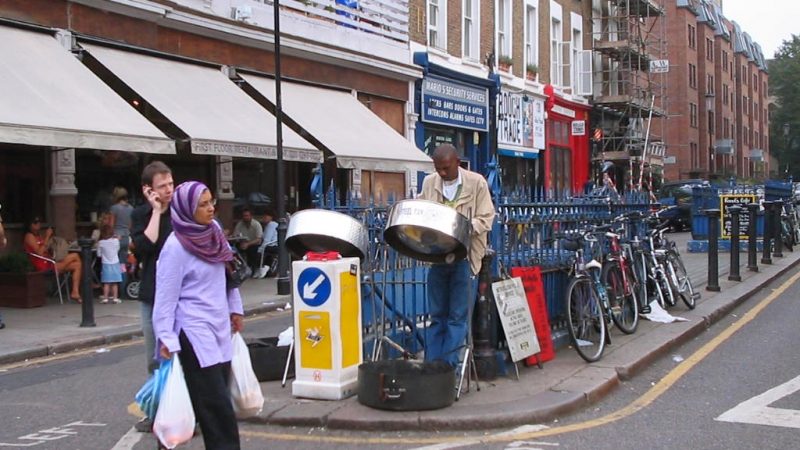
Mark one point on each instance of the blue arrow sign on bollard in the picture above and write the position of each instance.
(313, 286)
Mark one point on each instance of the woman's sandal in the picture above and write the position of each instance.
(76, 299)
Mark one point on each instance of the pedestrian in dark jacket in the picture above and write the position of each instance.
(150, 226)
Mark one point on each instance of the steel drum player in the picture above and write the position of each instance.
(448, 284)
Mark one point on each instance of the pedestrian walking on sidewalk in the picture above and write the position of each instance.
(150, 226)
(468, 193)
(195, 312)
(110, 273)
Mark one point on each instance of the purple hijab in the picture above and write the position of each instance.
(207, 242)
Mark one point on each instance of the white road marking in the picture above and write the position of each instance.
(49, 434)
(757, 410)
(129, 440)
(530, 445)
(478, 440)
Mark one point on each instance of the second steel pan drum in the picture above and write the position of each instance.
(320, 230)
(428, 231)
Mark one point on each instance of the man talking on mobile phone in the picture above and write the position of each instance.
(150, 227)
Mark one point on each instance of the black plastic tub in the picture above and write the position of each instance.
(402, 385)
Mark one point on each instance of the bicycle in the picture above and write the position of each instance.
(620, 281)
(586, 298)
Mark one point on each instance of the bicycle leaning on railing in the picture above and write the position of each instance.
(587, 302)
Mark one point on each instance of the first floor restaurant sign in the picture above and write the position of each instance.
(455, 104)
(515, 315)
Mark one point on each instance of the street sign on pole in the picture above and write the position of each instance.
(659, 66)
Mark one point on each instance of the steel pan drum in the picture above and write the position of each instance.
(428, 231)
(320, 230)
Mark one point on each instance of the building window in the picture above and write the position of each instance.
(471, 44)
(710, 84)
(692, 115)
(755, 82)
(504, 28)
(556, 54)
(695, 155)
(746, 135)
(726, 124)
(765, 88)
(692, 37)
(709, 49)
(692, 76)
(437, 24)
(531, 35)
(724, 61)
(711, 122)
(577, 47)
(724, 94)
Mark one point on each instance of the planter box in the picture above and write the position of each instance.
(22, 290)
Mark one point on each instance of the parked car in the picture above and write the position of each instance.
(679, 193)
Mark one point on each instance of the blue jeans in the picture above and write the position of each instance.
(449, 304)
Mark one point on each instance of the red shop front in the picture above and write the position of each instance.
(566, 156)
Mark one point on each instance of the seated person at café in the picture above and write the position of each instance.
(38, 242)
(251, 233)
(269, 245)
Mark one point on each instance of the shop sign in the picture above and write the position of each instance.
(520, 122)
(454, 104)
(253, 151)
(579, 128)
(563, 111)
(725, 203)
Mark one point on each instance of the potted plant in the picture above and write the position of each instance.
(20, 285)
(504, 62)
(531, 70)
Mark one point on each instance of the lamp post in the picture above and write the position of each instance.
(284, 286)
(710, 114)
(786, 141)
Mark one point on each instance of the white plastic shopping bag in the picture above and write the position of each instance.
(245, 390)
(174, 422)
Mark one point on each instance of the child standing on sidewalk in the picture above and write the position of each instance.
(110, 275)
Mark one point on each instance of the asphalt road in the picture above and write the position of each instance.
(691, 399)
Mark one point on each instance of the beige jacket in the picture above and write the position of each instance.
(475, 201)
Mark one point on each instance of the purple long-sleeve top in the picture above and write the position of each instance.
(191, 296)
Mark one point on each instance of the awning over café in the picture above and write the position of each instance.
(219, 118)
(336, 119)
(49, 98)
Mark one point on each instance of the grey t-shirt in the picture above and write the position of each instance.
(122, 218)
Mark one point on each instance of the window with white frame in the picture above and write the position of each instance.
(556, 47)
(437, 24)
(531, 34)
(471, 38)
(556, 54)
(576, 47)
(504, 28)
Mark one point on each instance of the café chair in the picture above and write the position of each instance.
(61, 280)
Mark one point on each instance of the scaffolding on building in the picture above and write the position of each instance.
(630, 65)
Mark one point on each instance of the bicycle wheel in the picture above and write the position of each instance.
(664, 286)
(684, 289)
(585, 320)
(621, 297)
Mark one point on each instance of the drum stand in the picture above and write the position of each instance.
(468, 362)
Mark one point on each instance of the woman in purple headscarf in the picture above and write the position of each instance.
(194, 312)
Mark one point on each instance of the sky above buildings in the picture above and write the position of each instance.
(768, 22)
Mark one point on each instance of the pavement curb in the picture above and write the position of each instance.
(127, 333)
(538, 408)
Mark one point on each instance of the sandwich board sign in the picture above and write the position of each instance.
(515, 316)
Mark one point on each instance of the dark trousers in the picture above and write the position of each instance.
(253, 257)
(211, 399)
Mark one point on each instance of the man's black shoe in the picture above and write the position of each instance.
(2, 325)
(144, 426)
